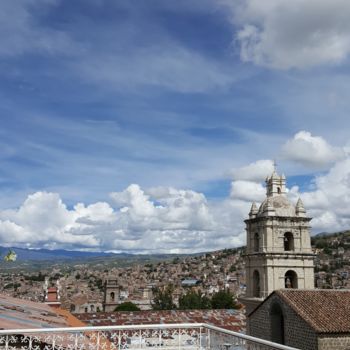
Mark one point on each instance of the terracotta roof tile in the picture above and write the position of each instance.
(326, 311)
(229, 319)
(20, 313)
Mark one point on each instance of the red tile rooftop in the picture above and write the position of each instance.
(327, 311)
(229, 319)
(18, 313)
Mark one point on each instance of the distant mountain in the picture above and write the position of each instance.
(47, 254)
(24, 254)
(344, 233)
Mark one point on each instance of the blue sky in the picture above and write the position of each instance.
(98, 95)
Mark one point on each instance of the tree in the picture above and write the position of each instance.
(233, 268)
(127, 306)
(223, 300)
(193, 300)
(99, 283)
(163, 298)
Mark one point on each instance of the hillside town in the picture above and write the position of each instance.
(82, 287)
(277, 288)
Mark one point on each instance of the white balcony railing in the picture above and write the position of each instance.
(186, 336)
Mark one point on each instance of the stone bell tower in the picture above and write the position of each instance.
(279, 251)
(111, 295)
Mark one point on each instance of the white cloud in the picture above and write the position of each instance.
(176, 209)
(328, 203)
(256, 171)
(166, 219)
(247, 191)
(292, 34)
(311, 151)
(42, 220)
(171, 221)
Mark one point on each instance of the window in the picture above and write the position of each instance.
(278, 190)
(256, 284)
(291, 279)
(112, 295)
(288, 241)
(277, 323)
(256, 242)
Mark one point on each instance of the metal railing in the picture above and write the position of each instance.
(187, 336)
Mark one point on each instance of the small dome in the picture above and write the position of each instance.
(281, 205)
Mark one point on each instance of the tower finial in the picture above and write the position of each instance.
(274, 165)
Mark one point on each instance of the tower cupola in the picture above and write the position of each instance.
(275, 185)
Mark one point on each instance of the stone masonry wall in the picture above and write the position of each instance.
(297, 332)
(334, 343)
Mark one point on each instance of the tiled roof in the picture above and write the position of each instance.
(326, 311)
(230, 319)
(19, 313)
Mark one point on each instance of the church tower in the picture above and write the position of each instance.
(279, 251)
(111, 295)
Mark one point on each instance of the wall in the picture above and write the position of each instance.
(297, 332)
(334, 343)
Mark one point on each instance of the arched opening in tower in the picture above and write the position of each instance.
(256, 242)
(291, 279)
(277, 324)
(288, 241)
(256, 284)
(112, 295)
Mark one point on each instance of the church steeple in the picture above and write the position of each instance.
(279, 251)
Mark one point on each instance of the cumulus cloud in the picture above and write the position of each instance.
(256, 171)
(42, 220)
(176, 209)
(247, 191)
(311, 151)
(328, 203)
(292, 34)
(247, 186)
(164, 219)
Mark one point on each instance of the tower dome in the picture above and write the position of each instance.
(276, 202)
(277, 205)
